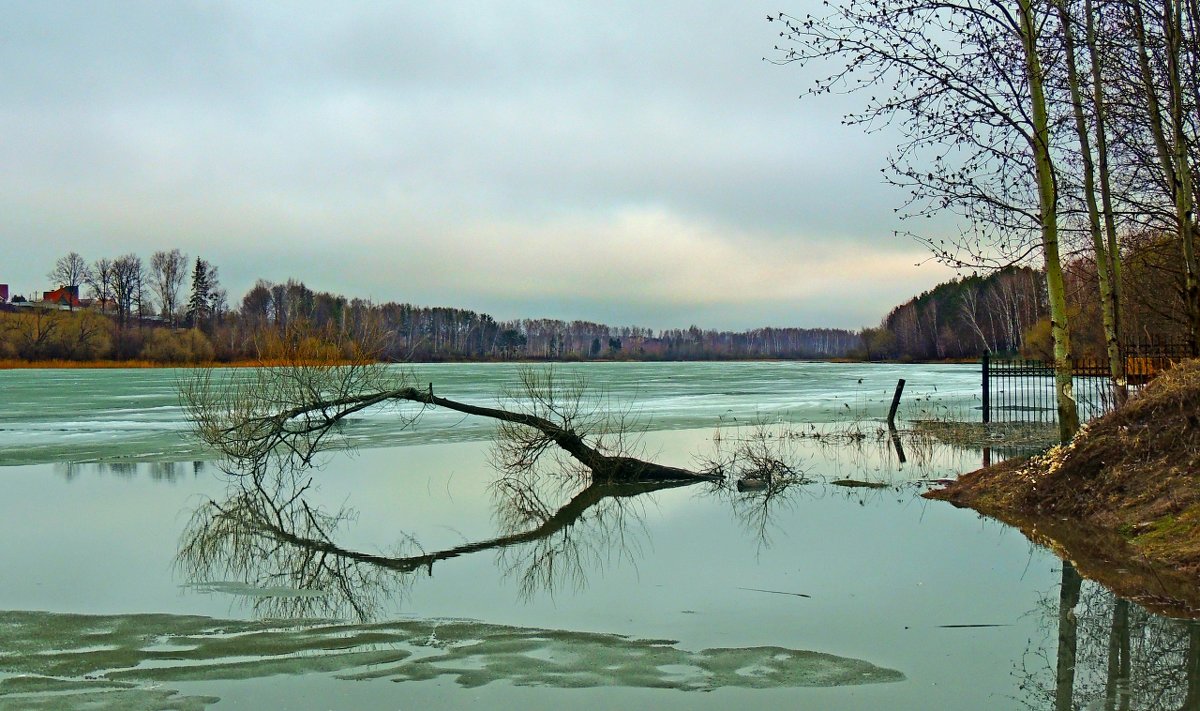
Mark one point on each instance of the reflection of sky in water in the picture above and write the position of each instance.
(885, 571)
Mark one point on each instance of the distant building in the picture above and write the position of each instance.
(65, 296)
(105, 305)
(3, 293)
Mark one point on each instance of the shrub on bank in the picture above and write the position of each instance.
(189, 345)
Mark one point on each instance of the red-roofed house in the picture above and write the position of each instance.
(63, 296)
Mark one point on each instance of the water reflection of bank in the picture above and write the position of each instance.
(169, 471)
(272, 547)
(1099, 651)
(1104, 652)
(1135, 648)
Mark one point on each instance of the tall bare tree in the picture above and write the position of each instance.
(965, 83)
(70, 271)
(1161, 112)
(1097, 198)
(168, 270)
(128, 286)
(100, 281)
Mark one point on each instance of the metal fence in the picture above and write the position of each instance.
(1022, 390)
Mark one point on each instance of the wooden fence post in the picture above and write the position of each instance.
(895, 404)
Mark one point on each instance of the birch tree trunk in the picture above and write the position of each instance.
(1103, 255)
(1047, 189)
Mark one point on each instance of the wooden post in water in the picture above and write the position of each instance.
(895, 404)
(987, 395)
(898, 445)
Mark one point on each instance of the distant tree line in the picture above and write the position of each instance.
(1006, 311)
(1063, 132)
(962, 318)
(421, 333)
(119, 308)
(172, 309)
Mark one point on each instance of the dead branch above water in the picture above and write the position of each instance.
(293, 410)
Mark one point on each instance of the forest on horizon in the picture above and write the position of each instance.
(135, 310)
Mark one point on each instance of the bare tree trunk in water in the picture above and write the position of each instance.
(292, 410)
(1117, 685)
(1068, 625)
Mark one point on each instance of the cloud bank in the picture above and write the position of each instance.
(599, 161)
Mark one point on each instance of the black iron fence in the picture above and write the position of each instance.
(1022, 390)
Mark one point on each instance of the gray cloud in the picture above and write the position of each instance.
(609, 162)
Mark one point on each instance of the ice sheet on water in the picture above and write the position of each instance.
(47, 416)
(127, 658)
(232, 587)
(38, 693)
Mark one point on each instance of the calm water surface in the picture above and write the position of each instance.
(138, 575)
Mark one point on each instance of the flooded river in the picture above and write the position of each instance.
(409, 573)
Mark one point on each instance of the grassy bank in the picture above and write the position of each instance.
(1122, 497)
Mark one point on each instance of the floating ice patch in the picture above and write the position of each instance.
(229, 587)
(128, 657)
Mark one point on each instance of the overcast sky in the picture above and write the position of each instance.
(625, 162)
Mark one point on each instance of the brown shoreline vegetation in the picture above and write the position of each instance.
(59, 364)
(63, 364)
(1121, 501)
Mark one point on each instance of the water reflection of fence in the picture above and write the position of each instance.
(1022, 390)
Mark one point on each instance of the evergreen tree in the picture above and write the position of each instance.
(199, 305)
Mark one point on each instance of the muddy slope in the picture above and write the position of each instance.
(1134, 474)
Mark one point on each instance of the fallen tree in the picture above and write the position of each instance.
(299, 408)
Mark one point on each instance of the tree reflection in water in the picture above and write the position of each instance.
(267, 542)
(1103, 652)
(282, 551)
